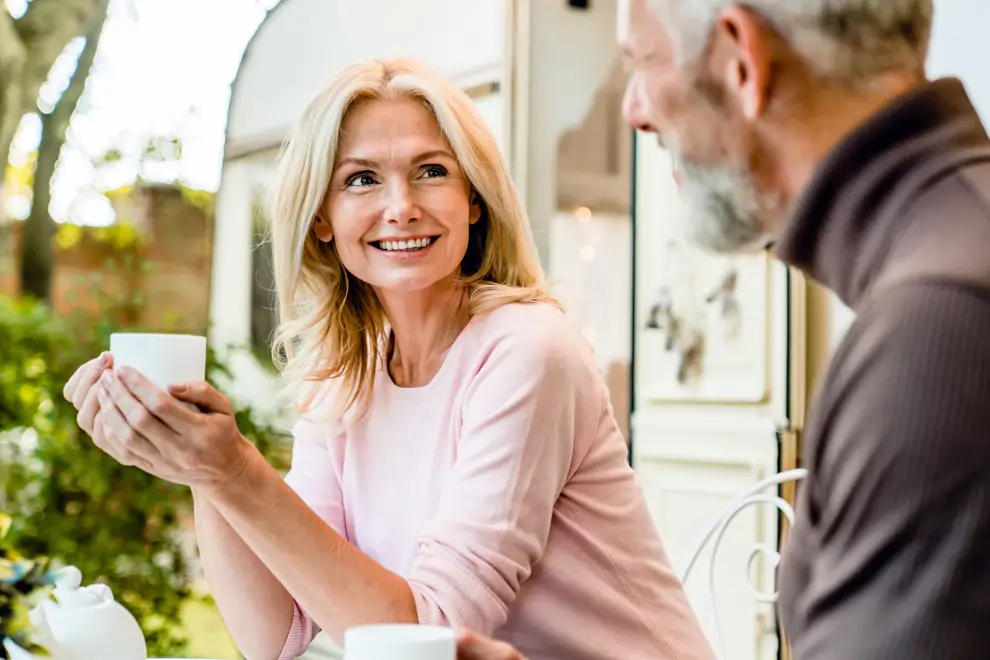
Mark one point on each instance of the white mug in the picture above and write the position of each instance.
(161, 358)
(400, 641)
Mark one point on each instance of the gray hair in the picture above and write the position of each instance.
(847, 41)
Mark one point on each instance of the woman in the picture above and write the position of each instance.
(457, 461)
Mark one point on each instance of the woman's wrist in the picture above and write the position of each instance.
(247, 471)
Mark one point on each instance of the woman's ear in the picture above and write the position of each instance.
(477, 207)
(322, 229)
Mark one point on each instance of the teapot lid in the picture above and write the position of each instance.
(69, 591)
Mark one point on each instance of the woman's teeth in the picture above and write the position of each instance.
(405, 246)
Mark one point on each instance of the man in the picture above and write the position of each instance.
(810, 124)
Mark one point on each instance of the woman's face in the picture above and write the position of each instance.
(399, 208)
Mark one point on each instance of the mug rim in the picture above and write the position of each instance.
(157, 335)
(400, 633)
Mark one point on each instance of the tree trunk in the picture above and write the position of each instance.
(39, 229)
(13, 55)
(29, 47)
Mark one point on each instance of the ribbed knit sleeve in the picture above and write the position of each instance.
(317, 460)
(896, 528)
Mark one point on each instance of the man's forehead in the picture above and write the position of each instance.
(622, 23)
(637, 28)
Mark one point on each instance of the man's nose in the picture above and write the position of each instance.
(633, 108)
(400, 205)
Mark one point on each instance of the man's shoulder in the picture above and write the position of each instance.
(916, 347)
(908, 392)
(944, 233)
(925, 319)
(913, 368)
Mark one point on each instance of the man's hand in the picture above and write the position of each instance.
(476, 647)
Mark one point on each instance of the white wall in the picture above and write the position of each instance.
(960, 48)
(571, 52)
(230, 293)
(590, 272)
(305, 42)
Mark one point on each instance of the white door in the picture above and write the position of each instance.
(711, 390)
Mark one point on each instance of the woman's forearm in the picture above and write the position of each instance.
(331, 580)
(255, 606)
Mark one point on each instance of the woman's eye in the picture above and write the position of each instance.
(361, 180)
(435, 171)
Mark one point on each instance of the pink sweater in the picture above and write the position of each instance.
(502, 493)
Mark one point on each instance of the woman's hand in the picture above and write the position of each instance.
(476, 647)
(146, 427)
(81, 392)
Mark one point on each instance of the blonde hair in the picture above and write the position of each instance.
(332, 330)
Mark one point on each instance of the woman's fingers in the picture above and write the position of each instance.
(129, 385)
(86, 418)
(475, 647)
(119, 439)
(134, 412)
(82, 381)
(73, 384)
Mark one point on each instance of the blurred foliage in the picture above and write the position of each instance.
(70, 501)
(23, 582)
(201, 199)
(121, 237)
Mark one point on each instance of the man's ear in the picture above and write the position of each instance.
(477, 207)
(745, 47)
(322, 229)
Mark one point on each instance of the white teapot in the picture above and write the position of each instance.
(85, 623)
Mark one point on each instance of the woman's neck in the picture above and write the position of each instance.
(424, 326)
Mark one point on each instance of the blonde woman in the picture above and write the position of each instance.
(457, 461)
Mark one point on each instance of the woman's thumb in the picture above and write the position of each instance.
(204, 395)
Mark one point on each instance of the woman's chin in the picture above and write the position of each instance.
(411, 283)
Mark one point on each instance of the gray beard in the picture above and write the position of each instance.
(721, 209)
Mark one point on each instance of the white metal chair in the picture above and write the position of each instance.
(753, 496)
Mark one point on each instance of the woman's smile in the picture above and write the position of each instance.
(405, 248)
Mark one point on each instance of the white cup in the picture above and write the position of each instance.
(400, 641)
(163, 359)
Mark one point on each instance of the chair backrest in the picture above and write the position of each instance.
(753, 496)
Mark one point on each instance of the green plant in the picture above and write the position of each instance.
(22, 582)
(72, 502)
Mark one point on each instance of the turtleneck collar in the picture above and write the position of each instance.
(844, 223)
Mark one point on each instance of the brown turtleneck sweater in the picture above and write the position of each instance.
(890, 555)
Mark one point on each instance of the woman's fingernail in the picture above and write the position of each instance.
(178, 389)
(106, 378)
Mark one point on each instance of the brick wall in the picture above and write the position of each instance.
(173, 282)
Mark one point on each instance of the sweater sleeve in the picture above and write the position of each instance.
(314, 477)
(900, 491)
(520, 418)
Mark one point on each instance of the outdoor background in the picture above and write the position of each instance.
(113, 117)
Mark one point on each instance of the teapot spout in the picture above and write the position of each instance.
(39, 617)
(15, 652)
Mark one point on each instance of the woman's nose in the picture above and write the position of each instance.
(400, 204)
